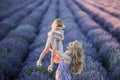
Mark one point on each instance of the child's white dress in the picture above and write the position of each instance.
(59, 43)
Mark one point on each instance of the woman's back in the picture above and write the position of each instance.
(63, 71)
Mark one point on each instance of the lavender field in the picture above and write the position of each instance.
(24, 25)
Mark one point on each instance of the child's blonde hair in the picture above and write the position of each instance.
(77, 58)
(58, 22)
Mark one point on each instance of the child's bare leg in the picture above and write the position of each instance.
(52, 60)
(50, 67)
(45, 51)
(41, 57)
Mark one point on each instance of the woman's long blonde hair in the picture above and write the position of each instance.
(58, 22)
(77, 58)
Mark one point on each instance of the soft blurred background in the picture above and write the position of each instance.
(24, 25)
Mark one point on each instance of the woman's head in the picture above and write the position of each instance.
(77, 53)
(58, 23)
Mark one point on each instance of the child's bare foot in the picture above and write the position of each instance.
(50, 68)
(39, 64)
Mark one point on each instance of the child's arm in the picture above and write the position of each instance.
(51, 34)
(58, 38)
(62, 38)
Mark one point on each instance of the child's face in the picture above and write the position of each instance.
(58, 28)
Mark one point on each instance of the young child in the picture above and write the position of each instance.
(71, 60)
(56, 34)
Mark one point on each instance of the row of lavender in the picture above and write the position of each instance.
(108, 22)
(92, 68)
(111, 9)
(15, 46)
(107, 46)
(13, 21)
(10, 9)
(109, 3)
(30, 71)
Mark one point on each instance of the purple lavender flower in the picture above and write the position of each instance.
(89, 75)
(115, 72)
(110, 54)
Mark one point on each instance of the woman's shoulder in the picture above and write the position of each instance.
(68, 57)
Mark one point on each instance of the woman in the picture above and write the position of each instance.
(71, 61)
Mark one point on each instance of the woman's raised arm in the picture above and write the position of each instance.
(60, 54)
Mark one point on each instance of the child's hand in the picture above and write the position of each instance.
(57, 40)
(55, 36)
